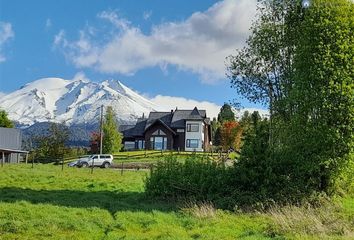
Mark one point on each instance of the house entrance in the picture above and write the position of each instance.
(159, 143)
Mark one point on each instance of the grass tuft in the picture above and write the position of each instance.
(200, 210)
(307, 220)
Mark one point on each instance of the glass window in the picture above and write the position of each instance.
(158, 143)
(141, 144)
(192, 127)
(192, 143)
(129, 145)
(164, 143)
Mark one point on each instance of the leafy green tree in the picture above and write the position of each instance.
(5, 121)
(226, 113)
(262, 70)
(112, 138)
(322, 125)
(299, 62)
(52, 145)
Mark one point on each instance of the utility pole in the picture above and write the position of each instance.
(101, 129)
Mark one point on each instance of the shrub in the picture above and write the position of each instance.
(198, 178)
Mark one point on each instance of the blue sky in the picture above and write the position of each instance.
(159, 47)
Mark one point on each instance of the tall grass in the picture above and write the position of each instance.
(314, 222)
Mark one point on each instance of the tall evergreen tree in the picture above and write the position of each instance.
(112, 138)
(226, 113)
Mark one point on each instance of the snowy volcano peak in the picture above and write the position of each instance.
(115, 85)
(73, 101)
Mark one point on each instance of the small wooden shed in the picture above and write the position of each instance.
(10, 146)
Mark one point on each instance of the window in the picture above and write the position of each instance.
(159, 132)
(159, 143)
(193, 127)
(164, 143)
(141, 144)
(129, 145)
(192, 143)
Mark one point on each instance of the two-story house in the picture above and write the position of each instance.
(185, 130)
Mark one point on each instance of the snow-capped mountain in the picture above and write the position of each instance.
(73, 101)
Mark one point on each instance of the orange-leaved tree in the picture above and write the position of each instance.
(231, 133)
(95, 142)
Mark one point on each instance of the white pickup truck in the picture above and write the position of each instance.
(96, 160)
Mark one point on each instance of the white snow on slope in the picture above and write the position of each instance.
(73, 101)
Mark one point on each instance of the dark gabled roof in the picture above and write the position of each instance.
(165, 117)
(136, 130)
(126, 130)
(171, 120)
(158, 121)
(180, 116)
(123, 128)
(140, 127)
(195, 112)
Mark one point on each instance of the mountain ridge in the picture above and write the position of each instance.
(73, 101)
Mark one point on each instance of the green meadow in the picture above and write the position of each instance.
(48, 203)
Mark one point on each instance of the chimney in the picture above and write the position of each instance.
(143, 115)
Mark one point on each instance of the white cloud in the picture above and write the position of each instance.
(48, 23)
(166, 103)
(147, 15)
(198, 44)
(81, 76)
(88, 52)
(6, 33)
(2, 94)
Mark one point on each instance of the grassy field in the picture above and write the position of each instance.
(152, 156)
(47, 203)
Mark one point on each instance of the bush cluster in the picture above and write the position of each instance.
(260, 177)
(197, 178)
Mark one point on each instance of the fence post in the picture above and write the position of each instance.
(121, 170)
(62, 160)
(93, 164)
